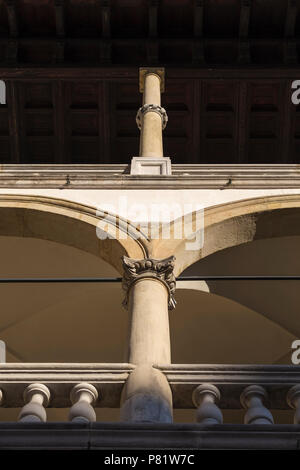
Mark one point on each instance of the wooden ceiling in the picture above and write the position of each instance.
(222, 108)
(172, 32)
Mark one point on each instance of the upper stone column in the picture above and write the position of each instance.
(151, 119)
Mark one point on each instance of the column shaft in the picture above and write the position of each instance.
(152, 89)
(149, 340)
(151, 144)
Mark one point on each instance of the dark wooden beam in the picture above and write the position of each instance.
(126, 73)
(242, 123)
(198, 44)
(244, 46)
(105, 45)
(244, 56)
(152, 51)
(290, 47)
(106, 18)
(104, 116)
(153, 17)
(59, 121)
(152, 43)
(60, 30)
(290, 20)
(198, 51)
(14, 119)
(290, 52)
(12, 18)
(60, 17)
(285, 116)
(12, 45)
(244, 18)
(12, 51)
(213, 40)
(196, 121)
(198, 18)
(60, 51)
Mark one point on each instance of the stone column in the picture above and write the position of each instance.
(151, 119)
(149, 286)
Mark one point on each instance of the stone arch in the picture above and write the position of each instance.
(232, 224)
(72, 224)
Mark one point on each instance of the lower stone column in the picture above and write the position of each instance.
(149, 285)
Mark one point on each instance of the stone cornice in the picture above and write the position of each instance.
(113, 436)
(184, 176)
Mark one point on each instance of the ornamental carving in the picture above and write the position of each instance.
(161, 269)
(151, 108)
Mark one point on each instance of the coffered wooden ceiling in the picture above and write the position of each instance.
(71, 68)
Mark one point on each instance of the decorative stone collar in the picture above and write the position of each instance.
(151, 108)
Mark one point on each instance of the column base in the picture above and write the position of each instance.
(151, 166)
(146, 408)
(146, 397)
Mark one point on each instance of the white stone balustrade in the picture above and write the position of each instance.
(205, 398)
(152, 392)
(36, 397)
(82, 396)
(252, 399)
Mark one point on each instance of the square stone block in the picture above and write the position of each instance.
(150, 166)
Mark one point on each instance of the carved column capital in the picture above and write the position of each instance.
(161, 269)
(159, 71)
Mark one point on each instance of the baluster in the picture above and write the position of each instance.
(293, 399)
(205, 397)
(1, 396)
(36, 397)
(82, 396)
(252, 400)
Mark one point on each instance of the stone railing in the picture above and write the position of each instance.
(207, 388)
(256, 388)
(34, 387)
